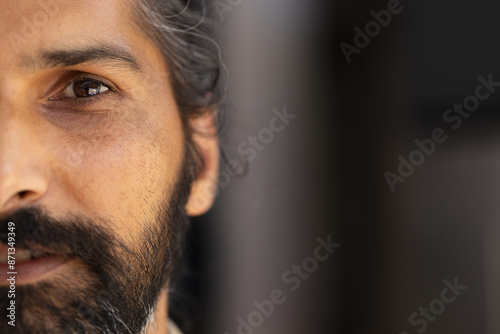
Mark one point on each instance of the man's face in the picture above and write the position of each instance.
(92, 141)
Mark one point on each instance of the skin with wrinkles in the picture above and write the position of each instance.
(113, 162)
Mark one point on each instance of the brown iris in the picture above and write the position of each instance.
(87, 88)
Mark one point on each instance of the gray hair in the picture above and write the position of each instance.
(185, 34)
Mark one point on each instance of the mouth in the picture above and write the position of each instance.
(28, 265)
(23, 256)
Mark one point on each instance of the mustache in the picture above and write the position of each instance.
(72, 237)
(101, 302)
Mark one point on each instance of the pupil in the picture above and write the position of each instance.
(86, 88)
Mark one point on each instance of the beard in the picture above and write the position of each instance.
(112, 287)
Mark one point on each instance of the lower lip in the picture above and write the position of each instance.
(31, 270)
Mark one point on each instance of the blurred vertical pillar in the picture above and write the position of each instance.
(270, 219)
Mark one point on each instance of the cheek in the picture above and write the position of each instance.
(122, 169)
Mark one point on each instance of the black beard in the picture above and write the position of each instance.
(115, 287)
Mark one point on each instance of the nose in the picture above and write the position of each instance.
(22, 178)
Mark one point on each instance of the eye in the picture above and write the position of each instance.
(82, 88)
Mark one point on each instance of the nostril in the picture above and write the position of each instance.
(23, 194)
(20, 199)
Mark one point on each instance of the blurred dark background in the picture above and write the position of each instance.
(325, 174)
(441, 223)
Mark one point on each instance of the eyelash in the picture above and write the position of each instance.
(81, 100)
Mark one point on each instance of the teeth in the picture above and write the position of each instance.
(22, 255)
(37, 254)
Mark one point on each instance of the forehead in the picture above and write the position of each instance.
(32, 26)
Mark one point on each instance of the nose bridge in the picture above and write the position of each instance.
(13, 138)
(21, 175)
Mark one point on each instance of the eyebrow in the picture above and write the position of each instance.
(109, 55)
